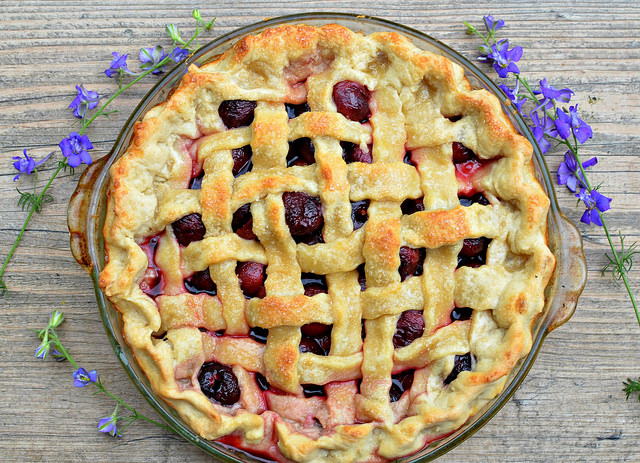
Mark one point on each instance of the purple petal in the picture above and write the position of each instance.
(583, 133)
(586, 217)
(602, 202)
(595, 217)
(591, 162)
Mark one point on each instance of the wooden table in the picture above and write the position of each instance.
(570, 408)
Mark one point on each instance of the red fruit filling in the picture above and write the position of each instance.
(218, 382)
(353, 153)
(409, 160)
(242, 223)
(259, 334)
(242, 160)
(201, 282)
(313, 390)
(152, 282)
(294, 110)
(237, 113)
(477, 198)
(303, 214)
(251, 276)
(352, 100)
(411, 206)
(189, 229)
(362, 279)
(410, 327)
(314, 284)
(400, 383)
(359, 214)
(301, 153)
(461, 363)
(411, 261)
(461, 313)
(474, 252)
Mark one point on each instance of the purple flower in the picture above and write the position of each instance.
(26, 165)
(118, 65)
(567, 122)
(86, 99)
(108, 425)
(541, 129)
(513, 96)
(43, 350)
(82, 378)
(492, 25)
(75, 148)
(594, 202)
(178, 54)
(569, 173)
(551, 93)
(151, 57)
(504, 60)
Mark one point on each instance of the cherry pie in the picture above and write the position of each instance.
(327, 246)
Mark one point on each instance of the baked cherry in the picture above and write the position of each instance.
(409, 160)
(311, 390)
(188, 229)
(477, 198)
(242, 223)
(259, 334)
(454, 118)
(461, 313)
(301, 153)
(362, 279)
(359, 213)
(319, 346)
(262, 382)
(411, 261)
(400, 383)
(251, 276)
(237, 113)
(303, 213)
(150, 284)
(218, 382)
(294, 110)
(242, 160)
(474, 252)
(461, 363)
(353, 153)
(314, 284)
(201, 282)
(409, 328)
(461, 153)
(315, 329)
(196, 182)
(411, 206)
(352, 100)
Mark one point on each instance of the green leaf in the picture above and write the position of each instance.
(631, 386)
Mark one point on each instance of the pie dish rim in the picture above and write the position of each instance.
(85, 224)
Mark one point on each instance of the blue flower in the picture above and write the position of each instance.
(118, 65)
(504, 60)
(594, 202)
(86, 99)
(108, 425)
(565, 123)
(513, 96)
(82, 378)
(178, 54)
(492, 25)
(551, 93)
(548, 127)
(75, 148)
(26, 165)
(569, 173)
(151, 57)
(43, 350)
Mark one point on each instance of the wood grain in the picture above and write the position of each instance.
(570, 407)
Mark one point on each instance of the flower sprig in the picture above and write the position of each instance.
(550, 121)
(114, 424)
(75, 148)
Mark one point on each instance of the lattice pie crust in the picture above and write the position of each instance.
(420, 104)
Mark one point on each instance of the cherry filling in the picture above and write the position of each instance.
(362, 279)
(301, 153)
(189, 229)
(462, 154)
(242, 160)
(262, 382)
(461, 313)
(461, 363)
(477, 198)
(359, 214)
(294, 110)
(218, 382)
(259, 334)
(409, 160)
(454, 118)
(251, 276)
(400, 383)
(152, 281)
(353, 153)
(237, 113)
(303, 214)
(409, 328)
(313, 390)
(352, 100)
(314, 284)
(411, 262)
(242, 223)
(196, 182)
(474, 252)
(316, 338)
(201, 282)
(411, 206)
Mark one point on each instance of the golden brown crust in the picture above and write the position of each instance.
(412, 92)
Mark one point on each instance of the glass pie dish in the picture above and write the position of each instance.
(87, 212)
